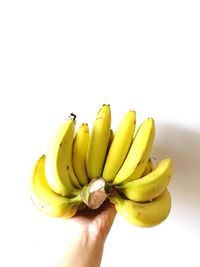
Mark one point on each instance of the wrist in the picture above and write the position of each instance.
(87, 237)
(84, 249)
(87, 234)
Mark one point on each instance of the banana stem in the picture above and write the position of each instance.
(95, 193)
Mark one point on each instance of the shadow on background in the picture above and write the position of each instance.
(183, 146)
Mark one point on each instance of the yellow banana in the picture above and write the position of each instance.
(79, 153)
(149, 168)
(98, 143)
(149, 186)
(120, 146)
(138, 155)
(144, 214)
(58, 165)
(48, 201)
(111, 137)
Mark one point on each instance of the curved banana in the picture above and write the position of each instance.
(111, 137)
(144, 214)
(149, 186)
(149, 168)
(58, 165)
(80, 146)
(98, 143)
(48, 201)
(120, 146)
(138, 155)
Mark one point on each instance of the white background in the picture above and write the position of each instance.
(58, 57)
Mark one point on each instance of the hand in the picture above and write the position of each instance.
(87, 233)
(96, 223)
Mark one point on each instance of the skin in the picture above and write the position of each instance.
(87, 234)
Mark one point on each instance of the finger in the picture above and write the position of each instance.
(108, 214)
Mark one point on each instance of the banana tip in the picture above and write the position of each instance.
(73, 116)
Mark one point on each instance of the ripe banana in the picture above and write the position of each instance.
(149, 168)
(58, 165)
(48, 201)
(79, 153)
(138, 155)
(149, 186)
(98, 143)
(144, 214)
(111, 137)
(84, 170)
(120, 146)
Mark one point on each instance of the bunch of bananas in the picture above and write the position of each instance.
(83, 170)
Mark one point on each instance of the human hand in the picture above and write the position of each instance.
(96, 223)
(87, 232)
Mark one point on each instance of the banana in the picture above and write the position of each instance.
(45, 199)
(80, 146)
(149, 168)
(138, 155)
(120, 146)
(144, 214)
(58, 164)
(149, 186)
(111, 137)
(98, 143)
